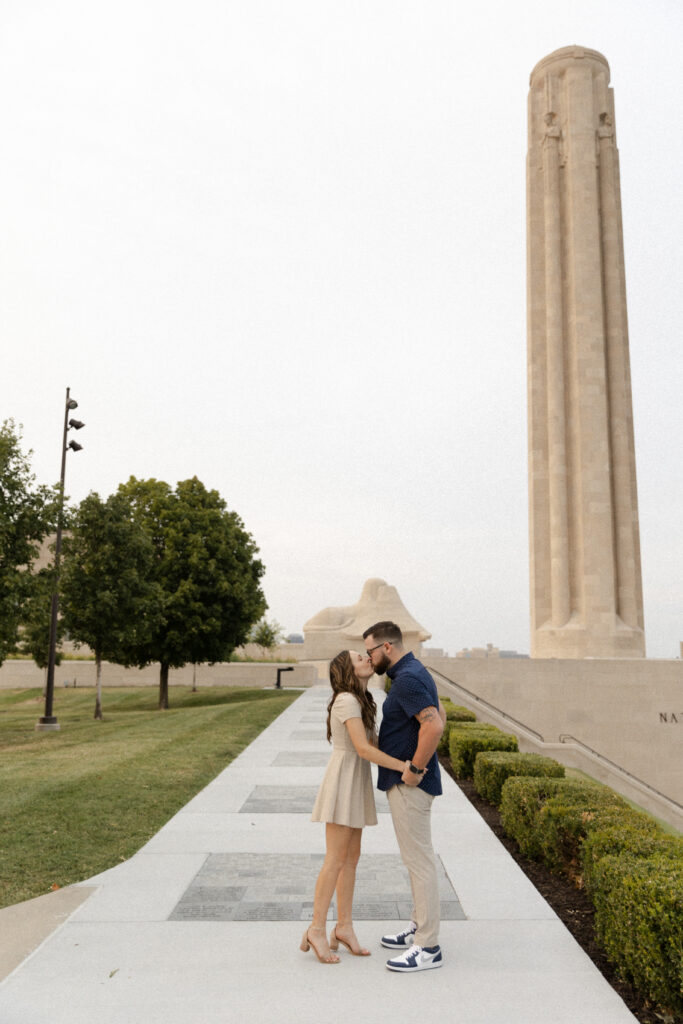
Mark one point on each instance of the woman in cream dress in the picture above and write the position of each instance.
(345, 802)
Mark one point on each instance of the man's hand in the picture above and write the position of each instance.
(410, 778)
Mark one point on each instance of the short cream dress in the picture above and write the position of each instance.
(345, 796)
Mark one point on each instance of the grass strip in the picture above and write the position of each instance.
(80, 800)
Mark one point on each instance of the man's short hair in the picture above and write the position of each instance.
(382, 631)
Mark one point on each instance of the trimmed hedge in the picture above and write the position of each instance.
(466, 740)
(549, 818)
(632, 870)
(638, 836)
(456, 712)
(493, 768)
(639, 922)
(443, 742)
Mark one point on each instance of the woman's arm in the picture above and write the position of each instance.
(366, 750)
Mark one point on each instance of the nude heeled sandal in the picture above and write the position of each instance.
(336, 939)
(307, 943)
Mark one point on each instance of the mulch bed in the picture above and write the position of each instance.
(572, 906)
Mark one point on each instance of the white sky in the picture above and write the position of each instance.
(281, 246)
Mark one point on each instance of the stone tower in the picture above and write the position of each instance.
(586, 588)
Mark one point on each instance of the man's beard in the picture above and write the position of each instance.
(381, 666)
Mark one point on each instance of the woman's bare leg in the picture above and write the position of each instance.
(346, 882)
(337, 840)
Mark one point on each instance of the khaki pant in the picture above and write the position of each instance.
(411, 814)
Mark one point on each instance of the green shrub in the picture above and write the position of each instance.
(491, 769)
(564, 825)
(456, 712)
(466, 740)
(520, 803)
(639, 922)
(632, 869)
(476, 727)
(638, 836)
(549, 818)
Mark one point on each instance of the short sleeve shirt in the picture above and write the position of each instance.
(346, 706)
(412, 690)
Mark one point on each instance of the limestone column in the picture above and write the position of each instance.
(586, 589)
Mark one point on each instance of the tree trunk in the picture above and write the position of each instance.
(98, 698)
(163, 687)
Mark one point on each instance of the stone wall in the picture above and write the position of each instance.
(618, 720)
(25, 674)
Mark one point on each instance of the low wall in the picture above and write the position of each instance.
(281, 652)
(20, 674)
(620, 721)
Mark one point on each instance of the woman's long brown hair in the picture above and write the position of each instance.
(345, 680)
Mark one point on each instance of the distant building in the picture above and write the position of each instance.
(488, 652)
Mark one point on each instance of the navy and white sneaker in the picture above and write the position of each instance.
(403, 940)
(418, 958)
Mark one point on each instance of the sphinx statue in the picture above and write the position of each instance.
(334, 629)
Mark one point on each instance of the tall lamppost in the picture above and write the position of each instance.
(48, 720)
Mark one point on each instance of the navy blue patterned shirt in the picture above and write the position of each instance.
(412, 690)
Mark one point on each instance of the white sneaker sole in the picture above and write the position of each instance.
(414, 970)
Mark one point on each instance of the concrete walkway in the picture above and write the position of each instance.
(203, 924)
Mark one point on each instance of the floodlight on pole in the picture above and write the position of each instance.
(48, 720)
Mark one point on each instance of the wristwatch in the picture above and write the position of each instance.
(415, 770)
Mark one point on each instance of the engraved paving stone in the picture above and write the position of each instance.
(268, 887)
(292, 800)
(280, 800)
(301, 759)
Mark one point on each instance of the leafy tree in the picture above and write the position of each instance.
(109, 598)
(35, 621)
(206, 566)
(27, 514)
(266, 635)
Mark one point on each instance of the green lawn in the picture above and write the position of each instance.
(77, 801)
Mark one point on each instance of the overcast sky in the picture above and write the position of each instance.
(281, 246)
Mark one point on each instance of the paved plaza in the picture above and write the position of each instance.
(203, 924)
(272, 888)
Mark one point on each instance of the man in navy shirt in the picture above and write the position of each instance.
(412, 723)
